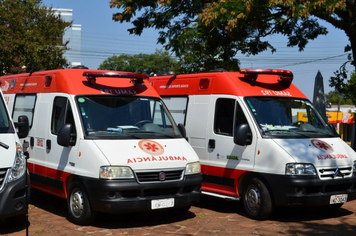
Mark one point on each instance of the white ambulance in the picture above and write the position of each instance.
(248, 131)
(13, 178)
(104, 141)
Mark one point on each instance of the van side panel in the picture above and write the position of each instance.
(196, 131)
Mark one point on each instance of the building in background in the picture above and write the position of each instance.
(74, 35)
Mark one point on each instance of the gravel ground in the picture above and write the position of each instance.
(211, 216)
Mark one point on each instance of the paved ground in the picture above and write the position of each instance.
(47, 216)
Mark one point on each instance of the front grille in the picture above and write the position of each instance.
(3, 172)
(335, 173)
(153, 176)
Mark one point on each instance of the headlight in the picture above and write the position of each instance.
(115, 172)
(300, 169)
(19, 167)
(192, 168)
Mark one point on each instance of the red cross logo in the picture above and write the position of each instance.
(322, 146)
(151, 147)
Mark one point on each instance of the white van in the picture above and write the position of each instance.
(260, 140)
(13, 176)
(104, 141)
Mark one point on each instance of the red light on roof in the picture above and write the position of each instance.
(48, 80)
(135, 78)
(266, 71)
(204, 83)
(13, 82)
(251, 75)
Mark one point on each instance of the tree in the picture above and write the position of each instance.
(31, 36)
(333, 98)
(226, 27)
(159, 63)
(346, 89)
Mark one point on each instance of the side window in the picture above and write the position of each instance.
(24, 106)
(160, 117)
(224, 116)
(4, 118)
(61, 114)
(240, 117)
(177, 106)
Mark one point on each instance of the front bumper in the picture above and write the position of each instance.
(13, 200)
(123, 196)
(308, 190)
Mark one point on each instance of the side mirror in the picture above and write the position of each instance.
(65, 136)
(332, 129)
(23, 126)
(183, 131)
(243, 135)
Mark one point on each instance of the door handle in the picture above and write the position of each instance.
(211, 143)
(48, 144)
(32, 141)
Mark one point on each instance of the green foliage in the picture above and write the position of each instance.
(159, 63)
(333, 98)
(31, 36)
(346, 89)
(209, 34)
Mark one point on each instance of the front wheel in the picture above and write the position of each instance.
(257, 200)
(79, 209)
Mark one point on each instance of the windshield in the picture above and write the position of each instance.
(108, 116)
(5, 124)
(287, 116)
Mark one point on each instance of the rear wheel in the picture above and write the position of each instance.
(257, 200)
(79, 209)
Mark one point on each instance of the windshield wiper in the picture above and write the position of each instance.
(4, 145)
(151, 132)
(287, 131)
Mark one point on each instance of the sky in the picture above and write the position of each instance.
(102, 38)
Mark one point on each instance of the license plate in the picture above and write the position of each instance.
(162, 203)
(335, 199)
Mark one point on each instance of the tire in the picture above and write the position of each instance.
(257, 200)
(78, 205)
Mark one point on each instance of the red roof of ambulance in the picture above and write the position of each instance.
(72, 81)
(232, 83)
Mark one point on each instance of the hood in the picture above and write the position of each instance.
(320, 152)
(147, 154)
(7, 155)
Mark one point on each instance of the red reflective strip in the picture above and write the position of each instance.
(225, 173)
(49, 190)
(50, 173)
(219, 189)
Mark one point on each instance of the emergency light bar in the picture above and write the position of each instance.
(135, 78)
(251, 75)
